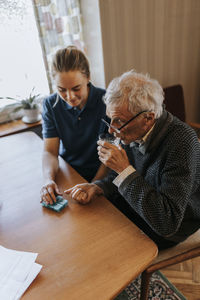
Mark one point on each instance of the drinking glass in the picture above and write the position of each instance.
(110, 138)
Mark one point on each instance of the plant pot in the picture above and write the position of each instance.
(31, 115)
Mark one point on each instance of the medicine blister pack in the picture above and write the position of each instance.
(58, 205)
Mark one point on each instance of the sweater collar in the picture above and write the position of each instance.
(156, 135)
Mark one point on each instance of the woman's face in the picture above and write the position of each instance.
(73, 88)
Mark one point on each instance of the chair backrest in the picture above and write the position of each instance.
(174, 101)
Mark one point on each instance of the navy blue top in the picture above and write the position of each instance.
(78, 130)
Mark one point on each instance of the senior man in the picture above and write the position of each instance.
(155, 172)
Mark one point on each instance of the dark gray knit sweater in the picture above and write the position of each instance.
(165, 189)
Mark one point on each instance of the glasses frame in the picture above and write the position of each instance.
(120, 128)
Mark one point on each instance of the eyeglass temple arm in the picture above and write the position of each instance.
(132, 119)
(109, 125)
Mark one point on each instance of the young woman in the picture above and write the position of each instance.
(72, 121)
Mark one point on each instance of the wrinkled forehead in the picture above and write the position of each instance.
(117, 110)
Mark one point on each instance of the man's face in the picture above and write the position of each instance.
(133, 131)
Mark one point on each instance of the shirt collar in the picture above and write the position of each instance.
(142, 140)
(147, 134)
(156, 134)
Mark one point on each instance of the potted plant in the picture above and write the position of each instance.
(30, 107)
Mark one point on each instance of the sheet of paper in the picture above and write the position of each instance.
(17, 270)
(24, 266)
(9, 290)
(8, 261)
(36, 268)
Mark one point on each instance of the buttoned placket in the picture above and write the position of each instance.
(77, 115)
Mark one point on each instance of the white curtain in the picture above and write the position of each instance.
(59, 25)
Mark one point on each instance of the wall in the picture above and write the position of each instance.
(92, 40)
(159, 37)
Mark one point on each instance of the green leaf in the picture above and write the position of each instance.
(26, 103)
(17, 109)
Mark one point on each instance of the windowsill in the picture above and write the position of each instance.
(7, 113)
(16, 127)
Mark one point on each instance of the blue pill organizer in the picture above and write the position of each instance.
(58, 205)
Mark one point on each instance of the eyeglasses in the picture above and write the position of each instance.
(118, 129)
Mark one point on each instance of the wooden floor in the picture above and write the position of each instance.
(182, 277)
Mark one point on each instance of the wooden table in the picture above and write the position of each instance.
(88, 252)
(17, 126)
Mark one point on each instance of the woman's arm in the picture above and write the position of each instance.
(50, 167)
(101, 173)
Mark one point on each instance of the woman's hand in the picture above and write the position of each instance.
(85, 192)
(114, 157)
(48, 192)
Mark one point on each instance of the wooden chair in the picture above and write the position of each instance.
(188, 249)
(174, 102)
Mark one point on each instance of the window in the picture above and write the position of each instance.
(22, 66)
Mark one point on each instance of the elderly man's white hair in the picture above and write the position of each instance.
(141, 92)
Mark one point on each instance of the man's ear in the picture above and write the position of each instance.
(150, 117)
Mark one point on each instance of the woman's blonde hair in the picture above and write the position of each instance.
(70, 59)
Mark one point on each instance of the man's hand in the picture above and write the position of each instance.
(85, 192)
(48, 192)
(114, 157)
